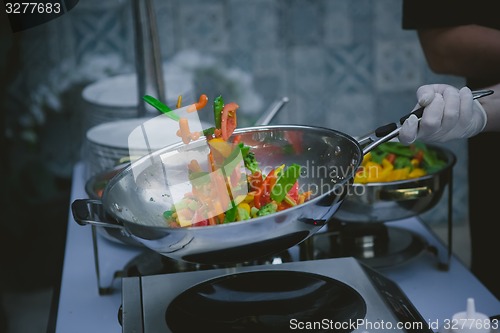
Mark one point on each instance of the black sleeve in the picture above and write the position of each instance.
(418, 14)
(421, 14)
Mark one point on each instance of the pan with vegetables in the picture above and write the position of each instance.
(209, 177)
(396, 181)
(142, 198)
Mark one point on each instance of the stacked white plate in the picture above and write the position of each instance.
(113, 143)
(116, 97)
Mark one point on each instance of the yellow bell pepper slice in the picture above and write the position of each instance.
(399, 174)
(417, 172)
(373, 172)
(387, 168)
(360, 177)
(415, 162)
(366, 158)
(222, 147)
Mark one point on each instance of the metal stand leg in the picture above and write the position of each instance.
(101, 289)
(444, 259)
(445, 265)
(306, 249)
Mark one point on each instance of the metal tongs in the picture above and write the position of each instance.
(389, 131)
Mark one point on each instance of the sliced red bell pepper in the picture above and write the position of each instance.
(391, 157)
(236, 141)
(228, 120)
(294, 192)
(199, 220)
(202, 223)
(296, 140)
(419, 155)
(263, 195)
(255, 181)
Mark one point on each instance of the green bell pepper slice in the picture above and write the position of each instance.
(285, 182)
(218, 106)
(160, 107)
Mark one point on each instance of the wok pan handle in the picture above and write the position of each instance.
(271, 112)
(90, 211)
(389, 131)
(420, 111)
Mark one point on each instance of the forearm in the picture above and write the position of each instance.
(470, 51)
(491, 104)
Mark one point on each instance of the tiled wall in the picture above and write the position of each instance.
(344, 64)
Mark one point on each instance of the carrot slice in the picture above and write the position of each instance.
(202, 102)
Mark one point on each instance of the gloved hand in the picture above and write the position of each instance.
(449, 114)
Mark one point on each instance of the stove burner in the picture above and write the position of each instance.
(262, 249)
(152, 263)
(263, 301)
(375, 244)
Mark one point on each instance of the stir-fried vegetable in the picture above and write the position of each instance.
(228, 120)
(393, 161)
(218, 106)
(250, 160)
(161, 107)
(234, 188)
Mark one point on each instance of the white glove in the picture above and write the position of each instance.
(449, 114)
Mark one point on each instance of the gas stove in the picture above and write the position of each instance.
(336, 294)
